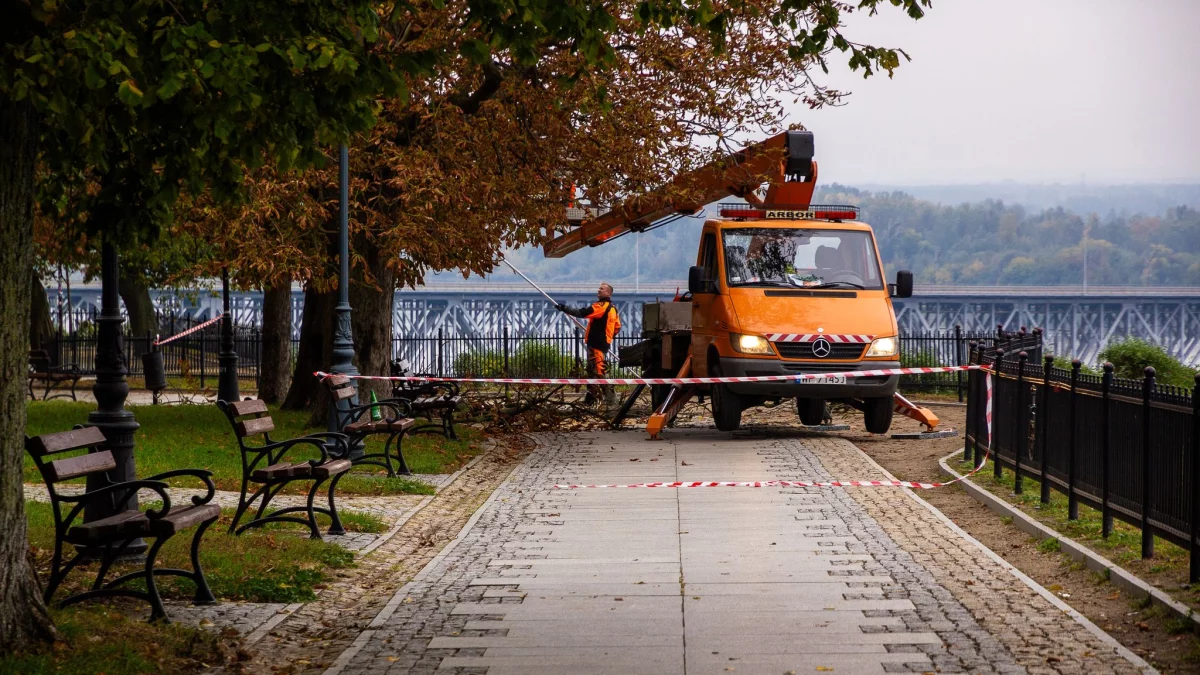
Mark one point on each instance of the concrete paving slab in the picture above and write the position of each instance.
(720, 580)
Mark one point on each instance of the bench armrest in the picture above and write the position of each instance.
(204, 475)
(284, 446)
(81, 500)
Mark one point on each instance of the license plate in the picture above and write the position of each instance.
(824, 379)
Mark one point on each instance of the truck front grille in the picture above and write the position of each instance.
(803, 350)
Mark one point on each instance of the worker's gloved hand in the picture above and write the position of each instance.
(560, 307)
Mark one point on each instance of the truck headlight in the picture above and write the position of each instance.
(751, 344)
(885, 346)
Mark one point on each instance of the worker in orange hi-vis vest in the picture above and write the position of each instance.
(603, 325)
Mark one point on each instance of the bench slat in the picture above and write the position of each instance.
(251, 407)
(337, 381)
(253, 427)
(48, 444)
(344, 393)
(83, 465)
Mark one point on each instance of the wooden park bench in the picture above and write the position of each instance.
(42, 369)
(265, 466)
(110, 537)
(429, 399)
(355, 421)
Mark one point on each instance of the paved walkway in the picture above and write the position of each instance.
(718, 580)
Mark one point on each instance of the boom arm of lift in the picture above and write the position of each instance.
(784, 162)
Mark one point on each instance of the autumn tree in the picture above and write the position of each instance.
(484, 153)
(113, 108)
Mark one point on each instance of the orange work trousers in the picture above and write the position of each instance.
(596, 368)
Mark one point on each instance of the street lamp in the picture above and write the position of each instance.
(111, 390)
(343, 336)
(227, 380)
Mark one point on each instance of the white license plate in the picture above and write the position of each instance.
(824, 379)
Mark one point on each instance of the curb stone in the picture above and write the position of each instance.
(1024, 578)
(1119, 576)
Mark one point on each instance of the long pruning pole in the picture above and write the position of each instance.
(539, 290)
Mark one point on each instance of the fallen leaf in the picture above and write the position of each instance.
(824, 668)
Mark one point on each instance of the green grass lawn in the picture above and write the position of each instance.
(274, 564)
(199, 436)
(96, 638)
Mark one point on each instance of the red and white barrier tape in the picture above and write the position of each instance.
(189, 331)
(816, 484)
(798, 377)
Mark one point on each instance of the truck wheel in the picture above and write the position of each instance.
(727, 408)
(811, 411)
(877, 414)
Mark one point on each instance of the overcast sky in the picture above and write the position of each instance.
(1100, 91)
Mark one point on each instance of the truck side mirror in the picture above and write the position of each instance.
(697, 283)
(903, 287)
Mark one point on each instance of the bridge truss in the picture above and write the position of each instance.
(1077, 323)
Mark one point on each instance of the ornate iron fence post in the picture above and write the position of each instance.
(1147, 533)
(1194, 553)
(1018, 437)
(1043, 423)
(1072, 500)
(972, 408)
(504, 343)
(993, 442)
(440, 370)
(1106, 404)
(958, 361)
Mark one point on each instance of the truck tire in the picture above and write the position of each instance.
(727, 408)
(811, 411)
(877, 414)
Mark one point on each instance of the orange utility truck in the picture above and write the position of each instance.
(780, 287)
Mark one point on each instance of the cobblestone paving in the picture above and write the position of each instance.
(715, 580)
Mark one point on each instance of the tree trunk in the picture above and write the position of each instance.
(276, 358)
(23, 617)
(138, 306)
(41, 325)
(371, 321)
(315, 352)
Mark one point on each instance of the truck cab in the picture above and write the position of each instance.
(778, 291)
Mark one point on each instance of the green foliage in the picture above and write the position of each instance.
(171, 437)
(1130, 356)
(141, 99)
(478, 363)
(539, 359)
(1064, 362)
(1050, 545)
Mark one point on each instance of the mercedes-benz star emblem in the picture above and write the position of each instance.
(821, 348)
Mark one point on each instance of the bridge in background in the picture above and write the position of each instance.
(1078, 322)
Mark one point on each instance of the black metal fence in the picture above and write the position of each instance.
(1128, 448)
(563, 355)
(192, 356)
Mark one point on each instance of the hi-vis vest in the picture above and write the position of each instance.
(603, 324)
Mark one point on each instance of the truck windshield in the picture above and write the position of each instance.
(801, 258)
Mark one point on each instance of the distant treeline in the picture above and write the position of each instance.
(981, 243)
(991, 242)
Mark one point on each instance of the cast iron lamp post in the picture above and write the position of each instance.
(343, 336)
(227, 381)
(111, 390)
